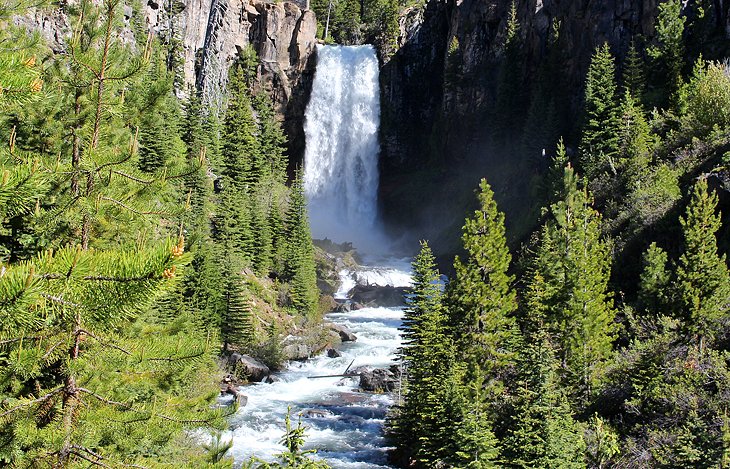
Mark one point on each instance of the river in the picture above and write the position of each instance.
(344, 425)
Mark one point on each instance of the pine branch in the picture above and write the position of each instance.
(133, 178)
(177, 359)
(127, 207)
(151, 414)
(103, 342)
(59, 300)
(75, 451)
(30, 403)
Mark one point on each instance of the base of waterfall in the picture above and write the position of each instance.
(344, 415)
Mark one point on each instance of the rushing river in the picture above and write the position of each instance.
(341, 184)
(344, 425)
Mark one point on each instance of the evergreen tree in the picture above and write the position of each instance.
(237, 323)
(570, 272)
(668, 53)
(654, 283)
(426, 424)
(703, 282)
(299, 262)
(633, 80)
(541, 431)
(599, 139)
(510, 101)
(480, 297)
(635, 142)
(240, 150)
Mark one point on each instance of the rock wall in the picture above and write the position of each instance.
(435, 122)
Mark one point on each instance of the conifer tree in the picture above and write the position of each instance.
(480, 297)
(481, 301)
(509, 111)
(570, 272)
(668, 53)
(84, 378)
(299, 262)
(240, 149)
(703, 282)
(654, 282)
(633, 78)
(426, 424)
(541, 431)
(599, 141)
(635, 142)
(237, 323)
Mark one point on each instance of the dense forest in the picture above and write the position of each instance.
(144, 237)
(604, 344)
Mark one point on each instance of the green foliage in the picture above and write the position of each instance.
(299, 261)
(703, 281)
(599, 138)
(480, 297)
(708, 98)
(541, 431)
(569, 278)
(426, 424)
(668, 53)
(654, 283)
(294, 456)
(633, 79)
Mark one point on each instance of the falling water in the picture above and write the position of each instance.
(341, 181)
(341, 158)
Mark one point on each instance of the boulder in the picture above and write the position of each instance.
(316, 413)
(296, 351)
(345, 334)
(238, 396)
(248, 367)
(378, 380)
(375, 295)
(332, 353)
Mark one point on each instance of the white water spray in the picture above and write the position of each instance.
(341, 158)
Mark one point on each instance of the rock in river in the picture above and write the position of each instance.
(248, 367)
(345, 334)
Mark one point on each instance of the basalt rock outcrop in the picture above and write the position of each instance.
(439, 89)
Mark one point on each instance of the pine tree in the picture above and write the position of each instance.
(635, 142)
(668, 53)
(480, 297)
(654, 283)
(240, 150)
(425, 425)
(481, 301)
(633, 79)
(237, 321)
(570, 271)
(510, 102)
(85, 376)
(541, 431)
(299, 261)
(703, 282)
(599, 139)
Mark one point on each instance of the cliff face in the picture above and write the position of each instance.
(209, 34)
(440, 91)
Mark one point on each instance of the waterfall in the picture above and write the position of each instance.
(341, 157)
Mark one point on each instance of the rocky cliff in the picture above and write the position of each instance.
(440, 95)
(208, 36)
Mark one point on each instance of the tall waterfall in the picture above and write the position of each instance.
(341, 157)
